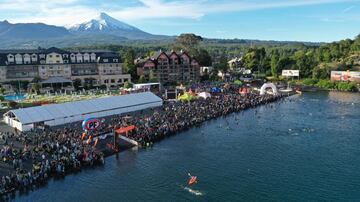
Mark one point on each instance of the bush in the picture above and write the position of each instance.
(12, 104)
(345, 86)
(2, 98)
(238, 82)
(128, 85)
(310, 82)
(2, 90)
(326, 84)
(103, 87)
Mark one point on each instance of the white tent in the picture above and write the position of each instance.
(204, 95)
(59, 114)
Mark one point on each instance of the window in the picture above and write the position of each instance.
(57, 56)
(120, 81)
(106, 81)
(50, 56)
(112, 80)
(106, 60)
(125, 80)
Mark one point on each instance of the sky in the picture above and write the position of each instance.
(284, 20)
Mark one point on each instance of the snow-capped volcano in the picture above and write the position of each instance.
(105, 24)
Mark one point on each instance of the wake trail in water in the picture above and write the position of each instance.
(192, 191)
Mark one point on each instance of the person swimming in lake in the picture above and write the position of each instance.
(192, 180)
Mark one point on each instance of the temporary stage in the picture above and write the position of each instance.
(58, 114)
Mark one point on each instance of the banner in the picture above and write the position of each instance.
(345, 76)
(290, 72)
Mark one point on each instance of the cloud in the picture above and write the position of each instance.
(66, 12)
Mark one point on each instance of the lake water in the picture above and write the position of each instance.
(304, 149)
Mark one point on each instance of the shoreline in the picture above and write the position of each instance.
(55, 172)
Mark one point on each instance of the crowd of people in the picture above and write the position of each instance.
(37, 155)
(173, 117)
(43, 154)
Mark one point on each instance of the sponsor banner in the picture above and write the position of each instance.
(345, 76)
(290, 72)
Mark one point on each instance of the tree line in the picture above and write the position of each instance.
(314, 60)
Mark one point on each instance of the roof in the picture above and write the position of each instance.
(60, 111)
(56, 80)
(55, 50)
(21, 51)
(109, 55)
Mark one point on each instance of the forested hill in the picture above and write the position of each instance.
(264, 57)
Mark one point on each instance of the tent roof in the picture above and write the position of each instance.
(56, 111)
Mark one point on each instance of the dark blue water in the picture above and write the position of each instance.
(306, 149)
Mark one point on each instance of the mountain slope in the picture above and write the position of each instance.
(31, 31)
(103, 24)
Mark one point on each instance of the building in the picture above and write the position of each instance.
(169, 67)
(100, 67)
(58, 114)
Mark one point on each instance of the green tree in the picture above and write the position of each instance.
(129, 65)
(127, 85)
(285, 63)
(35, 87)
(188, 41)
(274, 64)
(356, 45)
(304, 63)
(142, 79)
(12, 104)
(36, 79)
(223, 65)
(2, 90)
(204, 58)
(253, 59)
(152, 77)
(77, 84)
